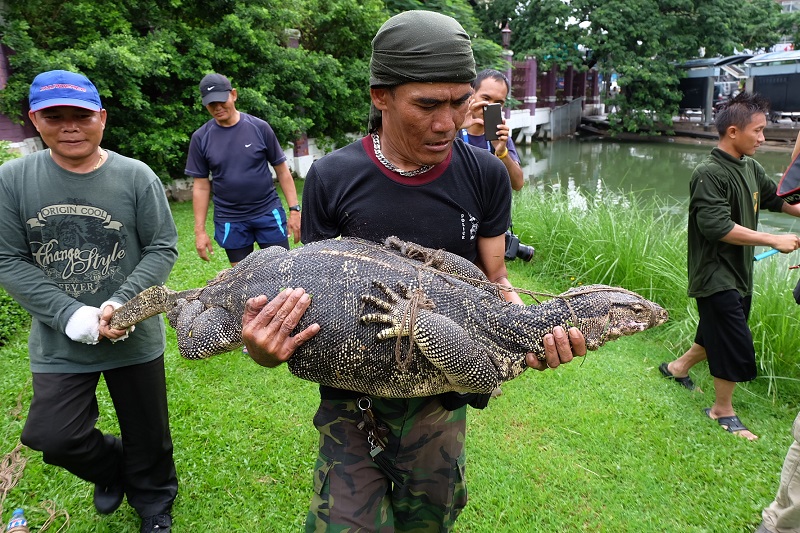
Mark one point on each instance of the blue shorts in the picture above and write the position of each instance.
(268, 230)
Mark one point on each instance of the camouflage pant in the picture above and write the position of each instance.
(351, 493)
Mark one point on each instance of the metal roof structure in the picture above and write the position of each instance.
(705, 67)
(774, 58)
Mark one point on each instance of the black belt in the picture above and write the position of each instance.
(450, 400)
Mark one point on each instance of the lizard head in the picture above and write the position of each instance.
(149, 302)
(605, 313)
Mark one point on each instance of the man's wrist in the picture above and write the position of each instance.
(503, 154)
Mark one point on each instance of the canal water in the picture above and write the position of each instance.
(660, 169)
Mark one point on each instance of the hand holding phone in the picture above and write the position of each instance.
(492, 118)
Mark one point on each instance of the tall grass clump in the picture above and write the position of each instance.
(623, 240)
(640, 244)
(774, 323)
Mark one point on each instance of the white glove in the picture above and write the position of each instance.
(84, 325)
(117, 305)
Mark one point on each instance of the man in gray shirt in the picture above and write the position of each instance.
(82, 230)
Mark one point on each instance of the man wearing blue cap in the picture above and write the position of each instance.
(235, 150)
(82, 230)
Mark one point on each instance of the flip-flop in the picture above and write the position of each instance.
(731, 424)
(685, 381)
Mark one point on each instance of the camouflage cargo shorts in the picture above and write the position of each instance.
(352, 493)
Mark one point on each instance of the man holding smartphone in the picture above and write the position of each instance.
(491, 87)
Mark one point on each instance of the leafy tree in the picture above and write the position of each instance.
(487, 51)
(789, 25)
(640, 40)
(147, 56)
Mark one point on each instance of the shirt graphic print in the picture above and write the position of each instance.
(78, 246)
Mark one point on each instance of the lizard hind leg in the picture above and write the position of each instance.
(441, 341)
(393, 307)
(205, 332)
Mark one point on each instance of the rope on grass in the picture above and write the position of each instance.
(50, 508)
(11, 467)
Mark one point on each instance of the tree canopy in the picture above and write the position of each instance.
(147, 56)
(640, 40)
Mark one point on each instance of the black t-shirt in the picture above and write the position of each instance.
(350, 193)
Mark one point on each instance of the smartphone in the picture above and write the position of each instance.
(492, 118)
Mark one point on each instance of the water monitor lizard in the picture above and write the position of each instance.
(463, 335)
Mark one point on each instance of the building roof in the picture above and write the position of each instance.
(773, 58)
(708, 62)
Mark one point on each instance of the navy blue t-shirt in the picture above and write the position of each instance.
(237, 159)
(479, 141)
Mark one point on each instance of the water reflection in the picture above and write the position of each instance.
(609, 170)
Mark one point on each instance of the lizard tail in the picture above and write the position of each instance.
(149, 302)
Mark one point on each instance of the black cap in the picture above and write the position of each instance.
(214, 88)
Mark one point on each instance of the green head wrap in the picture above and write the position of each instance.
(419, 46)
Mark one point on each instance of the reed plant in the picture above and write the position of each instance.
(617, 240)
(774, 323)
(640, 244)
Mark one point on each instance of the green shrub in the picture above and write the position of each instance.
(6, 153)
(13, 318)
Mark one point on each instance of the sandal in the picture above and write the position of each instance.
(731, 424)
(685, 381)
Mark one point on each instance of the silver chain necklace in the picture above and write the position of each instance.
(376, 144)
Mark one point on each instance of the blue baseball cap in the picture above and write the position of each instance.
(61, 87)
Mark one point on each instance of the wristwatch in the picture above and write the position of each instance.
(295, 208)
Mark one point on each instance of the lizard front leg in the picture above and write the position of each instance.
(466, 364)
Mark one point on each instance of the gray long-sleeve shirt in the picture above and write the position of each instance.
(68, 240)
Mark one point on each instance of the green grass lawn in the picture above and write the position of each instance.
(602, 444)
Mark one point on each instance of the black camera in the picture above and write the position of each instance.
(515, 249)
